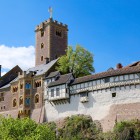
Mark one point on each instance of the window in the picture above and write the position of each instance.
(27, 85)
(14, 103)
(41, 58)
(57, 92)
(114, 94)
(52, 92)
(15, 89)
(42, 33)
(2, 97)
(27, 101)
(36, 98)
(37, 84)
(107, 80)
(20, 100)
(58, 33)
(48, 81)
(21, 86)
(42, 45)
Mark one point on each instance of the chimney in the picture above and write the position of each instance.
(0, 71)
(119, 66)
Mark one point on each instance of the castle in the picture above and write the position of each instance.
(43, 94)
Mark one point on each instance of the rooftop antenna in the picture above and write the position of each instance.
(50, 10)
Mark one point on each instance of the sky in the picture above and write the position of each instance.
(110, 29)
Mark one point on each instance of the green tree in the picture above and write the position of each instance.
(24, 129)
(78, 127)
(78, 61)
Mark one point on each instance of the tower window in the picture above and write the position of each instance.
(58, 33)
(41, 58)
(42, 45)
(42, 33)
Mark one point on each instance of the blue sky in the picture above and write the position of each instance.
(110, 29)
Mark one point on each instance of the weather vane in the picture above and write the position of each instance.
(50, 10)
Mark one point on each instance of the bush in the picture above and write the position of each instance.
(24, 129)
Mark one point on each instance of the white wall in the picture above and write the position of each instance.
(126, 87)
(98, 106)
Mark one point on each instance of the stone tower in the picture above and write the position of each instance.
(51, 41)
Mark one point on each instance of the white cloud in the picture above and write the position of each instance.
(12, 56)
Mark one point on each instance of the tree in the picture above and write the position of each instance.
(78, 61)
(24, 129)
(78, 127)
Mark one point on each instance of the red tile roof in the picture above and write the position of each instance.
(133, 68)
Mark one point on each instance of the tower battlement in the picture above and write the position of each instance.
(42, 25)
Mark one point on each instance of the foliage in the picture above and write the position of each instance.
(78, 61)
(125, 130)
(106, 136)
(24, 129)
(128, 130)
(78, 128)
